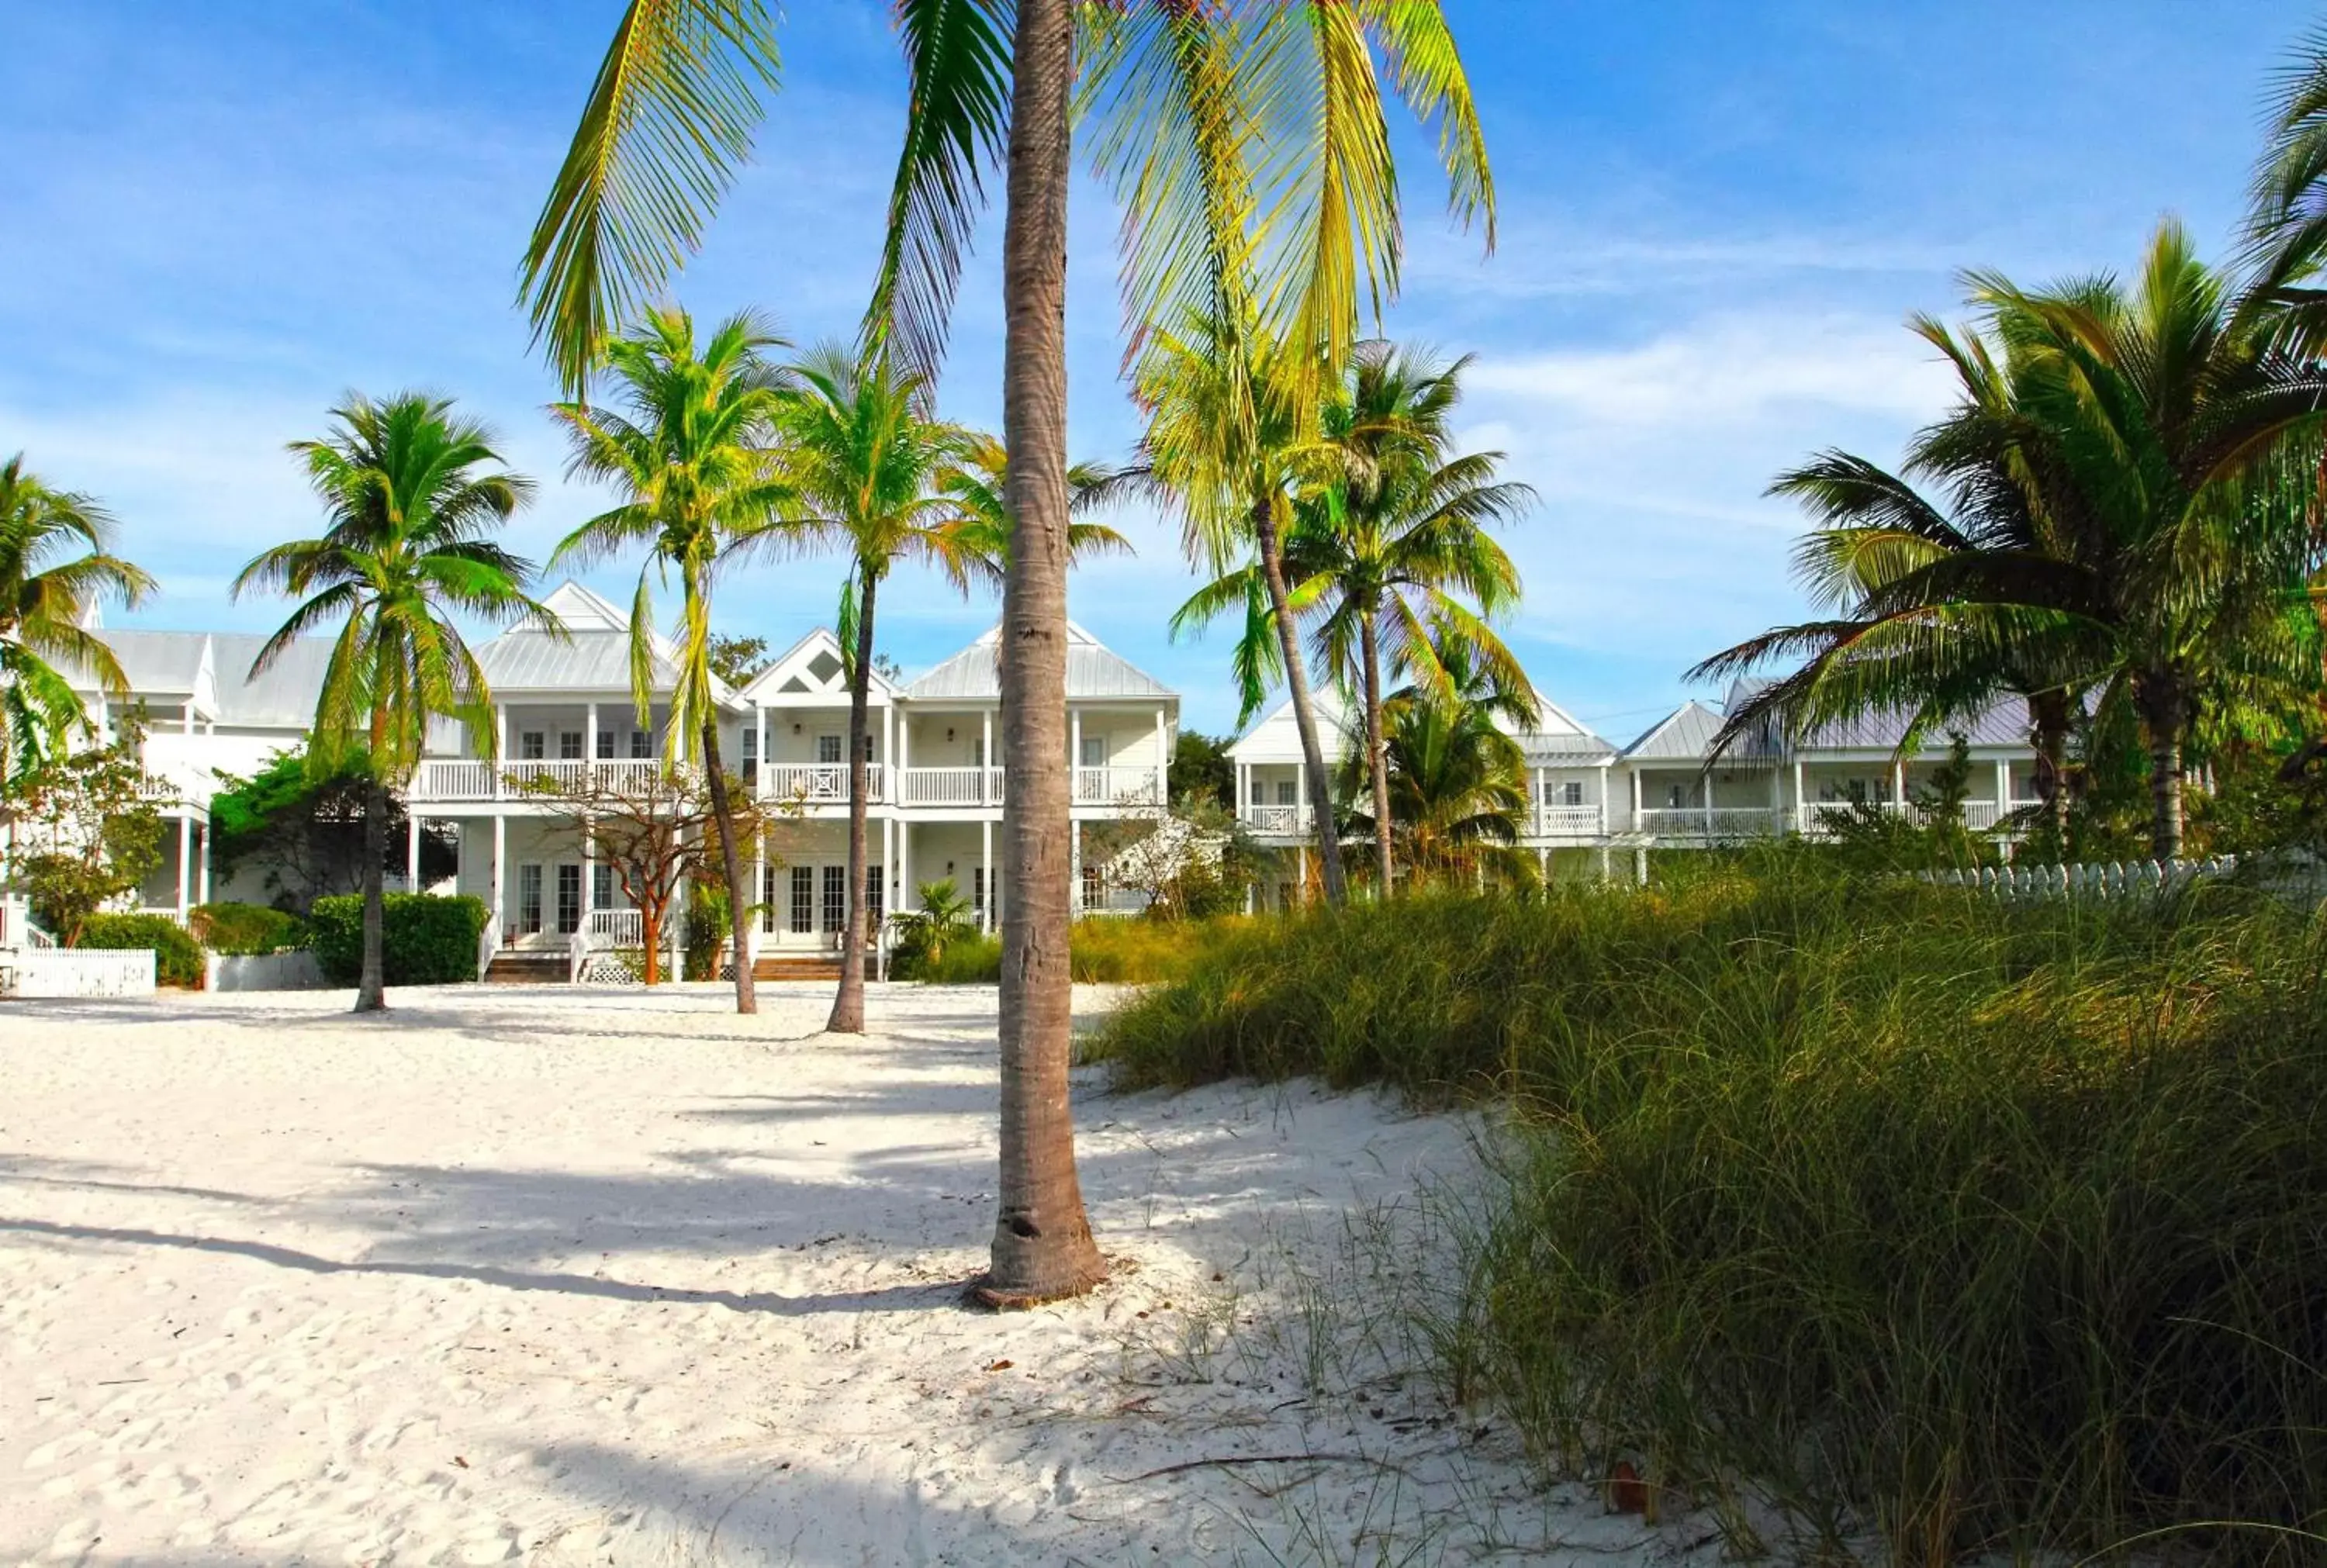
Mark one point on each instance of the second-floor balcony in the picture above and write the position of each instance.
(443, 781)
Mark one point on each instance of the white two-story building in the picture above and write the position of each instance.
(1667, 789)
(562, 705)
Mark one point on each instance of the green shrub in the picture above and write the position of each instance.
(177, 957)
(708, 929)
(1983, 1225)
(426, 940)
(227, 928)
(1101, 951)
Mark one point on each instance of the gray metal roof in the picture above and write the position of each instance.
(2003, 723)
(283, 696)
(159, 663)
(1684, 736)
(1569, 747)
(975, 674)
(594, 654)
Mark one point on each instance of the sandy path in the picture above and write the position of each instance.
(594, 1278)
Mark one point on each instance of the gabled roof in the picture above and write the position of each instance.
(161, 664)
(1276, 738)
(1557, 738)
(1684, 736)
(2000, 724)
(281, 697)
(812, 669)
(1093, 670)
(594, 655)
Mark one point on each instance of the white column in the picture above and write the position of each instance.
(2003, 788)
(1163, 762)
(1801, 801)
(888, 755)
(501, 855)
(760, 717)
(1899, 787)
(986, 864)
(986, 763)
(758, 922)
(500, 760)
(1706, 779)
(206, 863)
(1075, 756)
(188, 726)
(185, 862)
(411, 853)
(1603, 810)
(589, 734)
(905, 887)
(1636, 800)
(904, 746)
(1075, 866)
(1301, 873)
(589, 852)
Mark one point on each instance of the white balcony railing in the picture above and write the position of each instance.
(614, 928)
(819, 783)
(1718, 822)
(443, 779)
(1119, 786)
(1277, 819)
(1569, 822)
(953, 787)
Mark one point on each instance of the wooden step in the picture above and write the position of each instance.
(528, 969)
(797, 967)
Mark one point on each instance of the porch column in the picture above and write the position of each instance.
(1776, 802)
(905, 760)
(1074, 766)
(589, 738)
(1603, 805)
(185, 862)
(1538, 801)
(206, 863)
(411, 853)
(760, 785)
(501, 855)
(1637, 823)
(1801, 801)
(500, 760)
(1075, 866)
(986, 869)
(1899, 788)
(1163, 763)
(888, 757)
(2002, 788)
(1301, 872)
(589, 859)
(759, 922)
(1705, 777)
(905, 887)
(986, 763)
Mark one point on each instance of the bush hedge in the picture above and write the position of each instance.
(1982, 1227)
(427, 940)
(1100, 951)
(246, 928)
(177, 957)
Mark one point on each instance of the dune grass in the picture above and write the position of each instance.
(1930, 1219)
(1101, 951)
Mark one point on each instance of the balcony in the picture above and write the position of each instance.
(1713, 822)
(953, 787)
(1280, 821)
(1569, 822)
(1118, 787)
(818, 783)
(440, 779)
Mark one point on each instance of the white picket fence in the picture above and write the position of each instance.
(2106, 879)
(82, 972)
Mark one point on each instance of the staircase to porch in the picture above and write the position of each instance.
(512, 967)
(797, 966)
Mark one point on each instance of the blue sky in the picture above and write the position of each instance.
(215, 219)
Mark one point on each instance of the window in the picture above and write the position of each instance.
(767, 898)
(829, 750)
(874, 903)
(1259, 792)
(803, 899)
(1288, 793)
(569, 745)
(1675, 798)
(1094, 750)
(1571, 793)
(528, 745)
(606, 744)
(529, 900)
(978, 891)
(641, 745)
(569, 896)
(602, 887)
(1094, 886)
(835, 897)
(750, 752)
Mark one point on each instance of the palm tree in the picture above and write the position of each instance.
(412, 492)
(1395, 542)
(1197, 110)
(1224, 442)
(978, 530)
(1458, 789)
(864, 466)
(691, 456)
(48, 595)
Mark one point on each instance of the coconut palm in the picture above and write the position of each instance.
(413, 493)
(1225, 442)
(978, 529)
(1458, 790)
(1199, 110)
(1394, 543)
(57, 568)
(689, 451)
(2287, 223)
(864, 466)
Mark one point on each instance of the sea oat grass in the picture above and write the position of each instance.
(1954, 1224)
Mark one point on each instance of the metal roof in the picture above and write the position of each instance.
(283, 696)
(1573, 746)
(1684, 736)
(157, 663)
(594, 655)
(1093, 670)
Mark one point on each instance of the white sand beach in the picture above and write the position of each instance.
(603, 1277)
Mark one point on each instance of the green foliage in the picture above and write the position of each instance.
(306, 826)
(1996, 1226)
(925, 936)
(177, 957)
(84, 835)
(426, 940)
(246, 928)
(737, 660)
(708, 929)
(1101, 952)
(1200, 766)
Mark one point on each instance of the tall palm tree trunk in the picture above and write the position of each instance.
(848, 1001)
(2048, 720)
(1043, 1248)
(2164, 713)
(739, 907)
(1304, 712)
(1377, 755)
(371, 986)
